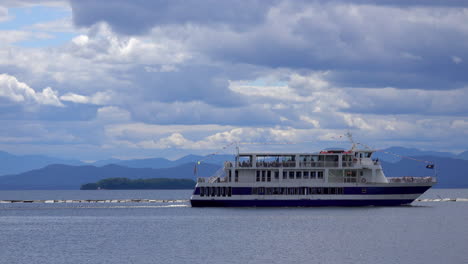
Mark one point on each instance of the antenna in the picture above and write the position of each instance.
(350, 137)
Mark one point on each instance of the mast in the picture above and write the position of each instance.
(237, 154)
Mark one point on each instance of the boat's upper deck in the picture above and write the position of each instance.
(322, 159)
(324, 167)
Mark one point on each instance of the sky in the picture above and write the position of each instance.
(93, 80)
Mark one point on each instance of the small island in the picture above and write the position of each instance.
(138, 184)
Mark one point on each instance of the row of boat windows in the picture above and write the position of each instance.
(227, 191)
(266, 175)
(216, 191)
(297, 190)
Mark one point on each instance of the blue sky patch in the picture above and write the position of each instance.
(56, 39)
(28, 16)
(24, 18)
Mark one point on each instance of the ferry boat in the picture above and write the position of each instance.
(327, 178)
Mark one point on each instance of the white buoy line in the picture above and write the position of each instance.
(443, 200)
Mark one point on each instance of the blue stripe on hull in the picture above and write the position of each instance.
(386, 190)
(295, 203)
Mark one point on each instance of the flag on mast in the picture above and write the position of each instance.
(430, 166)
(195, 169)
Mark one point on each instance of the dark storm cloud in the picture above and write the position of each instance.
(173, 70)
(442, 76)
(188, 83)
(197, 113)
(139, 16)
(404, 44)
(442, 3)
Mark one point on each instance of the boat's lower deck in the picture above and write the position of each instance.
(227, 196)
(218, 191)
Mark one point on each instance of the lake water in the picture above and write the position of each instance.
(429, 232)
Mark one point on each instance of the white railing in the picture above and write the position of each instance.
(218, 176)
(212, 179)
(291, 164)
(412, 179)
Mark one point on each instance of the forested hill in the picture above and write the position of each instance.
(65, 177)
(128, 184)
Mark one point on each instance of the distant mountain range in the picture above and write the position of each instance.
(451, 173)
(14, 164)
(42, 172)
(64, 177)
(157, 163)
(389, 154)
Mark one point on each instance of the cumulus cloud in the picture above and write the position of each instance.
(175, 140)
(217, 140)
(60, 25)
(20, 92)
(163, 68)
(136, 132)
(99, 98)
(113, 114)
(8, 37)
(371, 130)
(4, 14)
(345, 37)
(307, 119)
(80, 40)
(396, 101)
(182, 78)
(197, 112)
(102, 45)
(460, 124)
(303, 91)
(456, 60)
